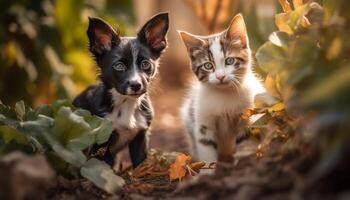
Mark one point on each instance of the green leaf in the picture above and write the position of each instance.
(296, 17)
(9, 134)
(61, 103)
(102, 175)
(103, 131)
(8, 116)
(44, 110)
(71, 129)
(101, 127)
(279, 38)
(30, 115)
(73, 157)
(20, 109)
(270, 57)
(36, 128)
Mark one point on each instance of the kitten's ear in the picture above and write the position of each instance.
(153, 33)
(190, 40)
(237, 30)
(102, 37)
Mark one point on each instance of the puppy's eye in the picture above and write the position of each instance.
(146, 65)
(208, 66)
(119, 66)
(230, 61)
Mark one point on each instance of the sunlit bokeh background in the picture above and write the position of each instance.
(44, 55)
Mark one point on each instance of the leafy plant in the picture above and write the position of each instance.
(306, 63)
(62, 133)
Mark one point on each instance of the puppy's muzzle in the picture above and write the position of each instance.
(135, 88)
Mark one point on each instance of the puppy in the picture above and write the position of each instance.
(127, 65)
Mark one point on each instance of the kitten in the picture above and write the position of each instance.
(127, 65)
(225, 88)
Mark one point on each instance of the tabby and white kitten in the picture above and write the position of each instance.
(226, 87)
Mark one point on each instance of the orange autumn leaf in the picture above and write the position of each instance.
(297, 3)
(178, 169)
(247, 114)
(285, 6)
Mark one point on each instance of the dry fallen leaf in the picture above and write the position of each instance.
(247, 114)
(196, 166)
(149, 168)
(142, 170)
(178, 169)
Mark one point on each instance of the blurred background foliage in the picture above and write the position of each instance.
(43, 46)
(43, 43)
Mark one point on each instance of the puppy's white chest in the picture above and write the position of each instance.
(126, 118)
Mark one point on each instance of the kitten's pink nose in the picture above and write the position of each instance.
(220, 78)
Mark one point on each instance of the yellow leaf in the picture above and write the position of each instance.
(280, 80)
(276, 108)
(178, 169)
(270, 86)
(285, 6)
(297, 3)
(281, 21)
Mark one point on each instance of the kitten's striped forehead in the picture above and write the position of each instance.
(216, 51)
(217, 46)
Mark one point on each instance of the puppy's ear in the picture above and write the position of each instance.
(153, 33)
(102, 37)
(190, 40)
(237, 30)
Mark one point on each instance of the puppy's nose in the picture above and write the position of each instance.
(135, 86)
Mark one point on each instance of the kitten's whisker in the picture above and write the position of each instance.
(236, 81)
(238, 85)
(235, 86)
(239, 78)
(240, 74)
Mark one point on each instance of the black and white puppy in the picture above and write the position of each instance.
(127, 65)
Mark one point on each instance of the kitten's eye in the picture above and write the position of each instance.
(119, 66)
(230, 61)
(146, 65)
(208, 66)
